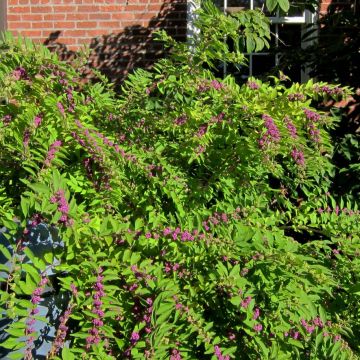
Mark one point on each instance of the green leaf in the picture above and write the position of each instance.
(5, 252)
(66, 354)
(25, 206)
(284, 5)
(271, 4)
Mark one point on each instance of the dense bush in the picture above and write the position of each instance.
(195, 213)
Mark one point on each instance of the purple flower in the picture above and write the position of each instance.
(296, 97)
(20, 74)
(272, 133)
(7, 119)
(257, 327)
(298, 157)
(26, 137)
(291, 127)
(311, 115)
(135, 337)
(256, 313)
(252, 85)
(60, 106)
(54, 148)
(181, 120)
(217, 85)
(175, 355)
(202, 130)
(63, 206)
(245, 303)
(37, 120)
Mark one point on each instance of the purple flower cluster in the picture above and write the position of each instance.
(37, 120)
(257, 328)
(338, 211)
(63, 207)
(291, 127)
(200, 149)
(256, 313)
(7, 119)
(154, 170)
(94, 337)
(252, 85)
(296, 97)
(202, 130)
(217, 85)
(30, 321)
(20, 74)
(218, 118)
(175, 355)
(62, 331)
(298, 156)
(60, 106)
(313, 118)
(293, 333)
(246, 302)
(218, 354)
(181, 120)
(327, 90)
(206, 85)
(272, 133)
(70, 99)
(54, 148)
(26, 137)
(311, 115)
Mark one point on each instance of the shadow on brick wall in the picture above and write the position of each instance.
(117, 54)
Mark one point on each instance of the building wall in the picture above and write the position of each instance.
(119, 32)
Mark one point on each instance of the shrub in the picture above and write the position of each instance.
(194, 212)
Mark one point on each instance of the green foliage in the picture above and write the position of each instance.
(194, 212)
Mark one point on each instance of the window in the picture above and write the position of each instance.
(286, 29)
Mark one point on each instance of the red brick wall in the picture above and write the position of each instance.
(81, 20)
(120, 32)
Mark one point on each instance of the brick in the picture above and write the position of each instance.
(74, 33)
(20, 25)
(54, 16)
(39, 2)
(88, 8)
(108, 24)
(113, 8)
(31, 33)
(77, 16)
(86, 24)
(23, 2)
(42, 25)
(18, 9)
(100, 16)
(65, 9)
(64, 24)
(154, 7)
(41, 9)
(32, 17)
(13, 17)
(96, 32)
(128, 23)
(136, 7)
(123, 16)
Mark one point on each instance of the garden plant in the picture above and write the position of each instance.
(193, 217)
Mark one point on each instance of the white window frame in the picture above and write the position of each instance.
(305, 20)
